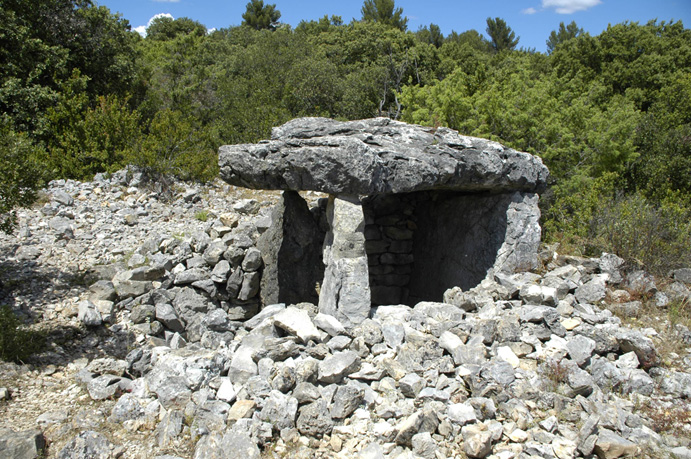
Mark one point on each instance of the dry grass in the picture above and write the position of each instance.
(555, 374)
(670, 419)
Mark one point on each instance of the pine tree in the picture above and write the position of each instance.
(384, 11)
(564, 33)
(260, 16)
(501, 35)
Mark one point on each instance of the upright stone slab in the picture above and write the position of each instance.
(345, 292)
(291, 249)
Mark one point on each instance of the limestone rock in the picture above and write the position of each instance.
(298, 323)
(88, 445)
(314, 420)
(477, 440)
(377, 156)
(333, 369)
(609, 445)
(22, 445)
(345, 292)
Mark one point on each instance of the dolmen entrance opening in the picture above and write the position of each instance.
(412, 211)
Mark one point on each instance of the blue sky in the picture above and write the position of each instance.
(532, 20)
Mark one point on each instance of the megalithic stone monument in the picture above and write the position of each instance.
(412, 211)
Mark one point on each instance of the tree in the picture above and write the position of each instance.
(260, 16)
(384, 11)
(322, 25)
(42, 41)
(431, 35)
(167, 28)
(565, 33)
(501, 35)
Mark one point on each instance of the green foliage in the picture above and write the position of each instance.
(88, 139)
(42, 41)
(431, 35)
(20, 177)
(260, 16)
(175, 146)
(324, 24)
(202, 215)
(574, 203)
(654, 235)
(565, 33)
(385, 12)
(167, 28)
(16, 342)
(590, 217)
(501, 36)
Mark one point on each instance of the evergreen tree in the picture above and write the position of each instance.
(260, 16)
(431, 35)
(384, 11)
(501, 35)
(564, 33)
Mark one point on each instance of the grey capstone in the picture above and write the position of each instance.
(377, 156)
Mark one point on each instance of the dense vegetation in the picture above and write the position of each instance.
(609, 114)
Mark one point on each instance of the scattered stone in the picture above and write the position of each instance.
(27, 444)
(477, 440)
(213, 373)
(297, 322)
(609, 445)
(88, 445)
(341, 364)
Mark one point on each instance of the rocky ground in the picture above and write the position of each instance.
(154, 347)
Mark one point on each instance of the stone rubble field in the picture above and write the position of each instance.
(158, 347)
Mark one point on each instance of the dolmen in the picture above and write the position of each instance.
(412, 211)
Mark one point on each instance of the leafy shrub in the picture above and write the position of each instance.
(587, 216)
(175, 146)
(657, 236)
(89, 138)
(570, 207)
(20, 177)
(16, 342)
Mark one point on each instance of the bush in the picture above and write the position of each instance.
(175, 146)
(657, 236)
(589, 218)
(16, 342)
(20, 177)
(89, 138)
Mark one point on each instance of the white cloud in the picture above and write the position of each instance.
(569, 6)
(530, 10)
(141, 30)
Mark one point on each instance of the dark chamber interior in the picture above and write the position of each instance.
(421, 244)
(418, 245)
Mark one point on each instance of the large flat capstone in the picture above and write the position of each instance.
(377, 156)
